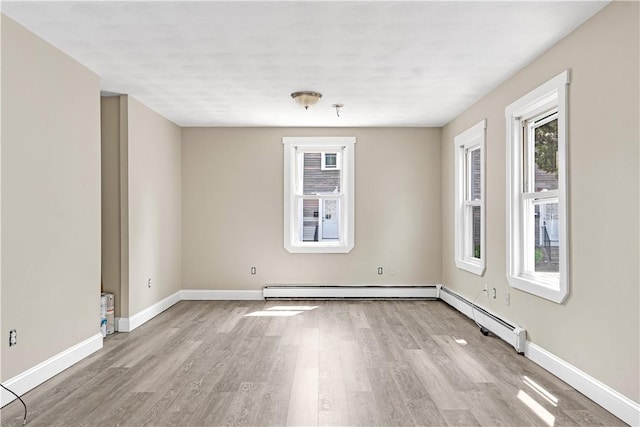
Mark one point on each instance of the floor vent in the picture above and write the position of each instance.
(350, 292)
(513, 334)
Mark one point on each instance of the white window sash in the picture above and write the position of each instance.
(299, 217)
(465, 144)
(520, 118)
(294, 149)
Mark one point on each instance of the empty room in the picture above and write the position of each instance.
(320, 213)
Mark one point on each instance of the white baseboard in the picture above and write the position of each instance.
(213, 295)
(40, 373)
(128, 324)
(360, 291)
(620, 406)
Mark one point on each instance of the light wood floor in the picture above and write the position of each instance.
(365, 363)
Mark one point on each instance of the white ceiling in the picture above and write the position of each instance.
(235, 63)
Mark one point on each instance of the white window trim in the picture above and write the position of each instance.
(472, 138)
(344, 146)
(552, 93)
(323, 161)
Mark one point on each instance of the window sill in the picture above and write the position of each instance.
(539, 287)
(475, 267)
(319, 248)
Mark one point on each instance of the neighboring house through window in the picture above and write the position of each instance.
(319, 194)
(469, 199)
(537, 191)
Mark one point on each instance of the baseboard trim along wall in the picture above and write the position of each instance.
(215, 295)
(128, 324)
(360, 291)
(620, 406)
(40, 373)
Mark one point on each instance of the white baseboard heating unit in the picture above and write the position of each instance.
(512, 334)
(350, 292)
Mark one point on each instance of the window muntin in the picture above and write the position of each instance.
(537, 223)
(469, 209)
(319, 208)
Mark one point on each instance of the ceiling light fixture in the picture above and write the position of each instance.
(338, 107)
(306, 98)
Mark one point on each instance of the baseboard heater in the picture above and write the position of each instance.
(512, 334)
(350, 292)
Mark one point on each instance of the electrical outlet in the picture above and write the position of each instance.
(494, 293)
(507, 298)
(13, 337)
(149, 283)
(253, 270)
(380, 271)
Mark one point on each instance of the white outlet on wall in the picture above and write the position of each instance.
(149, 283)
(13, 337)
(507, 299)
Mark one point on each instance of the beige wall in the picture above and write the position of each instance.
(154, 206)
(597, 329)
(50, 200)
(142, 199)
(233, 209)
(110, 159)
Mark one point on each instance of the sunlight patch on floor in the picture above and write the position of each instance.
(460, 341)
(537, 408)
(273, 313)
(540, 390)
(282, 311)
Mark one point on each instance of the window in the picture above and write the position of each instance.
(537, 192)
(319, 194)
(469, 199)
(330, 161)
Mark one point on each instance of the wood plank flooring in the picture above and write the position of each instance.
(356, 363)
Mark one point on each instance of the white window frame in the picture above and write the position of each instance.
(294, 147)
(547, 97)
(323, 161)
(470, 140)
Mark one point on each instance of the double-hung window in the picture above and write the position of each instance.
(319, 194)
(469, 199)
(537, 191)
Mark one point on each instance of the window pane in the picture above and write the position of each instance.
(310, 220)
(330, 160)
(546, 238)
(474, 172)
(330, 220)
(546, 156)
(475, 236)
(318, 181)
